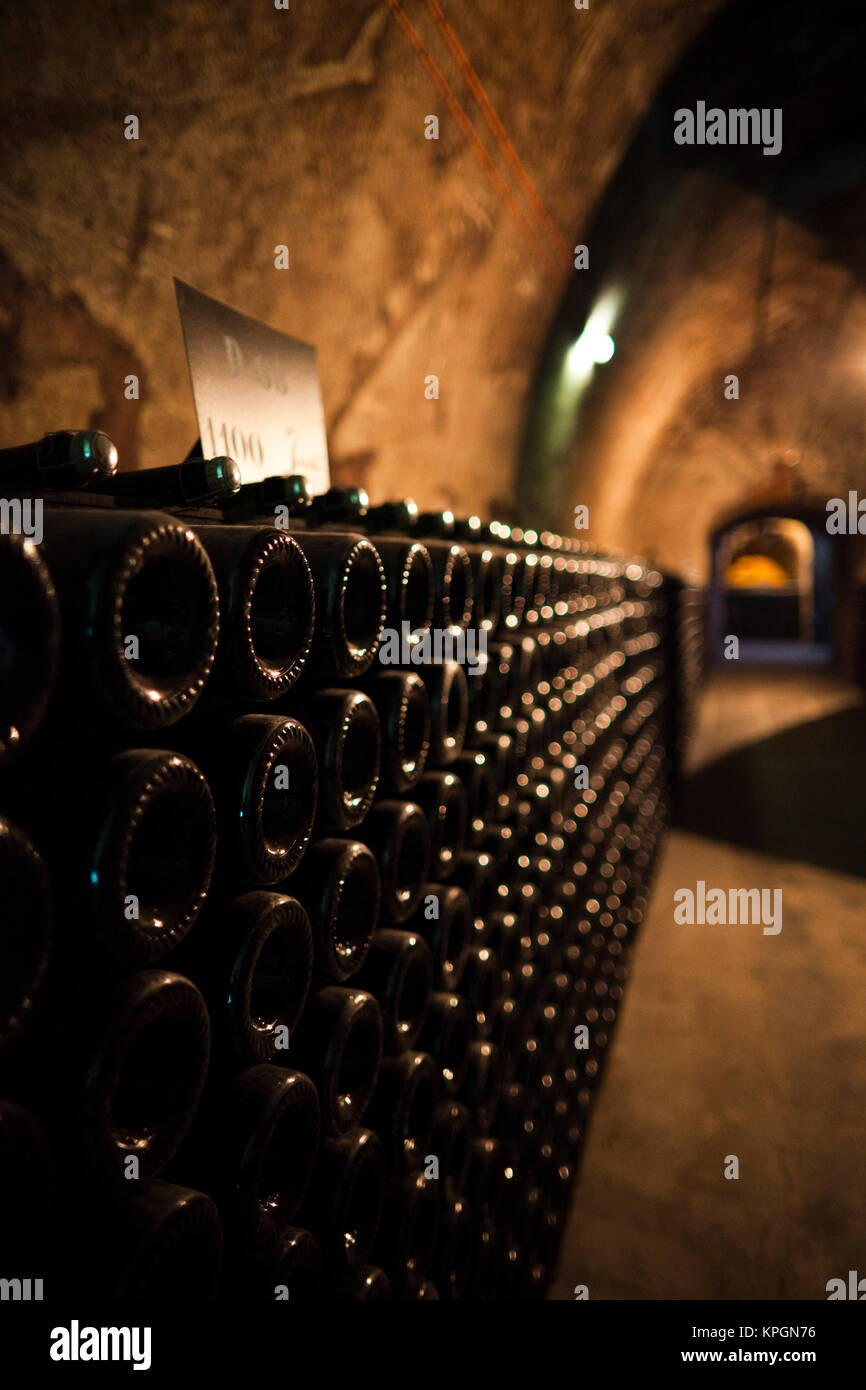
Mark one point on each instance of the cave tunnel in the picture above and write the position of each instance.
(699, 400)
(647, 336)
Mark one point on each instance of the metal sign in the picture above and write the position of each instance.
(256, 391)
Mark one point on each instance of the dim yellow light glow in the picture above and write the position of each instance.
(756, 572)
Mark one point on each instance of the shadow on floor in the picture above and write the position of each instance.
(800, 794)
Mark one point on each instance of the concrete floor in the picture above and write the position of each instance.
(733, 1042)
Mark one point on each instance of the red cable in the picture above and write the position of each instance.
(499, 132)
(468, 130)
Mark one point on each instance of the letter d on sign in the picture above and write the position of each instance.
(234, 354)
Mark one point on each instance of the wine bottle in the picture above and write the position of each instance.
(338, 505)
(528, 1223)
(504, 940)
(451, 1142)
(409, 581)
(553, 1174)
(370, 1285)
(502, 677)
(519, 585)
(421, 1289)
(407, 1232)
(532, 577)
(473, 769)
(140, 610)
(340, 886)
(513, 1271)
(403, 707)
(445, 922)
(503, 843)
(161, 1244)
(481, 708)
(513, 1107)
(346, 732)
(344, 1201)
(485, 1175)
(476, 874)
(528, 1064)
(276, 499)
(398, 972)
(452, 585)
(506, 1030)
(266, 788)
(545, 949)
(397, 833)
(518, 731)
(254, 965)
(487, 578)
(483, 1281)
(267, 609)
(481, 986)
(29, 641)
(547, 1242)
(27, 929)
(454, 1248)
(186, 484)
(402, 1108)
(153, 853)
(443, 800)
(449, 710)
(511, 608)
(62, 459)
(528, 989)
(529, 907)
(145, 1074)
(400, 516)
(27, 1194)
(255, 1148)
(297, 1276)
(351, 600)
(339, 1043)
(479, 1089)
(445, 1035)
(500, 752)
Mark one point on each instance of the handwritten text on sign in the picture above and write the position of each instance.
(256, 391)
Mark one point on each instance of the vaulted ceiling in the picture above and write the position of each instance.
(410, 256)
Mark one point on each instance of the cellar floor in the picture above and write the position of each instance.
(733, 1042)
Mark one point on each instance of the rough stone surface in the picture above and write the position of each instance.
(303, 127)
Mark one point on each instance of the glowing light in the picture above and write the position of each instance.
(595, 344)
(602, 348)
(756, 571)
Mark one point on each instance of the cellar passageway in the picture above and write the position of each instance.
(531, 301)
(733, 1042)
(796, 789)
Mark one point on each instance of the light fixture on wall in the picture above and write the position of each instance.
(595, 345)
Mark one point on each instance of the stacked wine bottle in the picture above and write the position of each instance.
(315, 934)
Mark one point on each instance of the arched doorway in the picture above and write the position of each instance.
(772, 586)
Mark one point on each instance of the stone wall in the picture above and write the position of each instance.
(304, 127)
